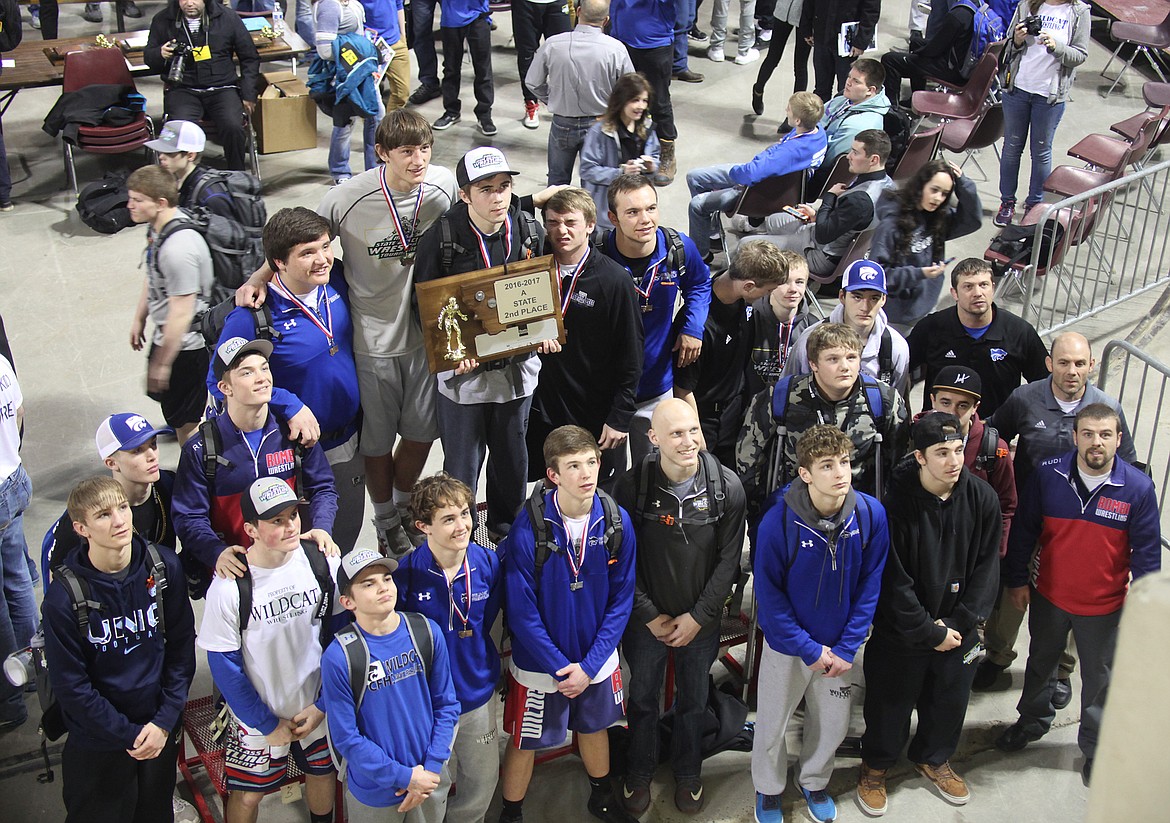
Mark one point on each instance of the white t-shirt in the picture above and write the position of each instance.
(10, 400)
(282, 649)
(1039, 71)
(1092, 481)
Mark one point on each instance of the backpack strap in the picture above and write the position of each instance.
(529, 235)
(886, 358)
(776, 465)
(320, 567)
(357, 661)
(212, 451)
(262, 324)
(676, 253)
(447, 245)
(988, 454)
(716, 489)
(873, 399)
(79, 596)
(244, 587)
(418, 627)
(158, 571)
(613, 525)
(647, 468)
(542, 545)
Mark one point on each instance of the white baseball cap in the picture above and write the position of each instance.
(179, 135)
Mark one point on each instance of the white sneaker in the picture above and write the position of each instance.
(184, 811)
(715, 54)
(751, 56)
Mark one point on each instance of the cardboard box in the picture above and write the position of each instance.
(286, 117)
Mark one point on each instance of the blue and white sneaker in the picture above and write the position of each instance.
(821, 807)
(768, 808)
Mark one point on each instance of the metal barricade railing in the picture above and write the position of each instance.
(1141, 384)
(1104, 247)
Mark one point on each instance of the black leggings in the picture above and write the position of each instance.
(780, 32)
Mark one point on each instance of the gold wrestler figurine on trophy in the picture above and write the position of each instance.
(449, 319)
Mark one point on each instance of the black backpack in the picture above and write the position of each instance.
(676, 254)
(715, 488)
(102, 204)
(529, 240)
(11, 32)
(244, 191)
(1017, 242)
(324, 609)
(235, 253)
(897, 124)
(989, 452)
(544, 545)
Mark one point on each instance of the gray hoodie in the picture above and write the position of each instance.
(1070, 56)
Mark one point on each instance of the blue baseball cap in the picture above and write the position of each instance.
(864, 274)
(122, 432)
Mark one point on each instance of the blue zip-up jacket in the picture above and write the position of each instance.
(642, 24)
(303, 368)
(209, 520)
(1088, 547)
(422, 587)
(794, 151)
(559, 626)
(816, 589)
(123, 674)
(459, 13)
(658, 291)
(338, 80)
(407, 717)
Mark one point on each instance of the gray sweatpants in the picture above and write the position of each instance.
(784, 681)
(474, 764)
(432, 810)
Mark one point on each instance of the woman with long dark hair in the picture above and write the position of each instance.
(914, 225)
(1049, 39)
(621, 142)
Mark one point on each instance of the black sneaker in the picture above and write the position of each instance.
(986, 675)
(1087, 771)
(449, 119)
(688, 796)
(609, 810)
(784, 128)
(487, 127)
(1015, 739)
(92, 13)
(636, 795)
(698, 35)
(423, 94)
(130, 9)
(1061, 693)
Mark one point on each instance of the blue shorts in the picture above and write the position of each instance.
(538, 720)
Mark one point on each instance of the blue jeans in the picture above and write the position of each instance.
(339, 143)
(1024, 112)
(565, 139)
(18, 608)
(712, 190)
(684, 19)
(646, 656)
(422, 14)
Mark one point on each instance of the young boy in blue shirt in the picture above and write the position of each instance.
(567, 617)
(818, 568)
(458, 583)
(715, 188)
(393, 732)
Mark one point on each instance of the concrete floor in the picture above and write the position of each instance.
(68, 295)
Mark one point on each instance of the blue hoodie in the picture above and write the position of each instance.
(659, 290)
(643, 24)
(407, 717)
(813, 593)
(123, 674)
(422, 587)
(796, 150)
(560, 626)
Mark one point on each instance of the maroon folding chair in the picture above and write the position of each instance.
(1145, 39)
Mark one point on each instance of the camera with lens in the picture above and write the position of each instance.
(22, 666)
(1032, 25)
(178, 62)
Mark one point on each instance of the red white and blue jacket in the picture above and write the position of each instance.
(1090, 544)
(208, 520)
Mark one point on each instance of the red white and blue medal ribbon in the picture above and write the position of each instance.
(325, 327)
(464, 617)
(481, 239)
(407, 256)
(576, 272)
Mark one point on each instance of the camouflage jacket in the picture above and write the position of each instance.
(808, 407)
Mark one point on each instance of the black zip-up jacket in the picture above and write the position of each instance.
(224, 32)
(1008, 353)
(687, 560)
(593, 380)
(943, 562)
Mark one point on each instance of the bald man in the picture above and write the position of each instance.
(1043, 415)
(688, 513)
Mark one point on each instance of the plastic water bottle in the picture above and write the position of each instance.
(277, 19)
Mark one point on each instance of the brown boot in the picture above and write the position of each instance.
(666, 165)
(871, 791)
